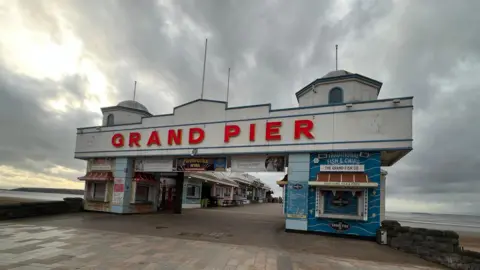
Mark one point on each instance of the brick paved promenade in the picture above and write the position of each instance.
(249, 237)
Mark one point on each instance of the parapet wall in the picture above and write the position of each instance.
(31, 209)
(437, 246)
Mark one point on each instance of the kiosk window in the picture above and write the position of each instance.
(342, 203)
(141, 193)
(193, 191)
(98, 191)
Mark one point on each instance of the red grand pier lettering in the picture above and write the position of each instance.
(272, 131)
(134, 139)
(303, 127)
(118, 140)
(154, 139)
(175, 137)
(196, 135)
(231, 131)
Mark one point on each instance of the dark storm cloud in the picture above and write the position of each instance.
(129, 38)
(432, 40)
(406, 44)
(445, 159)
(30, 132)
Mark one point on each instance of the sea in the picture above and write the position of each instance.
(455, 222)
(37, 195)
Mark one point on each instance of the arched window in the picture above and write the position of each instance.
(335, 96)
(110, 120)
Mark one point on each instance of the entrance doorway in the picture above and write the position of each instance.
(165, 193)
(207, 200)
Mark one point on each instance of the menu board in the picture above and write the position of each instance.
(196, 164)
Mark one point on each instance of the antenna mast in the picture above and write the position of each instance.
(204, 63)
(336, 57)
(228, 84)
(134, 90)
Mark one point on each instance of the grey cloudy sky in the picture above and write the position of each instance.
(60, 61)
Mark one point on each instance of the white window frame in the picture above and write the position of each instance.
(227, 191)
(362, 210)
(149, 191)
(91, 191)
(196, 192)
(110, 120)
(219, 192)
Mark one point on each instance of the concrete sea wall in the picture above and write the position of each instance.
(31, 209)
(437, 246)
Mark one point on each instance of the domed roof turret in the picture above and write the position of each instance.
(132, 104)
(336, 73)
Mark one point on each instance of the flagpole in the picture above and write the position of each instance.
(336, 57)
(228, 85)
(134, 90)
(204, 63)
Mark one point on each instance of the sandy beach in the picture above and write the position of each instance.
(470, 241)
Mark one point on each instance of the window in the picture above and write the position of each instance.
(219, 191)
(98, 191)
(193, 191)
(226, 192)
(141, 193)
(344, 204)
(335, 96)
(110, 120)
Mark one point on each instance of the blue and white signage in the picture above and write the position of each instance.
(342, 168)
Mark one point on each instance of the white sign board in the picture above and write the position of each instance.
(258, 163)
(118, 191)
(156, 164)
(101, 164)
(342, 184)
(209, 128)
(342, 168)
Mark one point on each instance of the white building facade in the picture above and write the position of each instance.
(333, 144)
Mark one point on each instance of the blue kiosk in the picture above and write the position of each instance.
(342, 190)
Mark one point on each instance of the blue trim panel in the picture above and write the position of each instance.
(238, 120)
(243, 146)
(407, 149)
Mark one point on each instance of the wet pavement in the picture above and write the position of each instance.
(249, 237)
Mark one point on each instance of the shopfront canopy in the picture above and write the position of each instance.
(212, 177)
(97, 176)
(343, 180)
(146, 178)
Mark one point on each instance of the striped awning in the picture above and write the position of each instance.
(146, 178)
(343, 180)
(97, 176)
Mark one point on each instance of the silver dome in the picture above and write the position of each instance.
(133, 105)
(336, 73)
